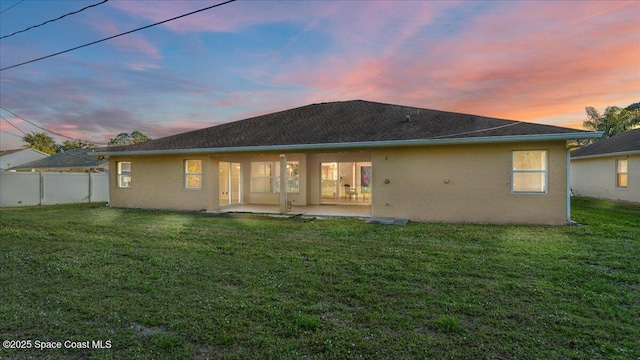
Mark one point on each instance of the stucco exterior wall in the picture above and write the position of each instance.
(596, 177)
(465, 183)
(157, 182)
(453, 183)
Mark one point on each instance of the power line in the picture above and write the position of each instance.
(13, 125)
(12, 134)
(115, 36)
(49, 21)
(39, 127)
(5, 10)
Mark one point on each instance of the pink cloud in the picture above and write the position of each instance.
(527, 61)
(140, 66)
(227, 18)
(133, 43)
(552, 68)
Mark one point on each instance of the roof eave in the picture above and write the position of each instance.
(364, 144)
(612, 154)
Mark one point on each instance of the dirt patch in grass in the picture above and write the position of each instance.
(147, 331)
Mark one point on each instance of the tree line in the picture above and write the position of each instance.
(45, 143)
(613, 121)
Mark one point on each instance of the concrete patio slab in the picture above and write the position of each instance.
(360, 211)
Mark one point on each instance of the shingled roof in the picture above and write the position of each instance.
(627, 142)
(78, 158)
(349, 122)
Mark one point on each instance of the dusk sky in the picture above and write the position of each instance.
(537, 61)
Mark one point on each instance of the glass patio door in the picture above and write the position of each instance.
(230, 189)
(329, 192)
(345, 182)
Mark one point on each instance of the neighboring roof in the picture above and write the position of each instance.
(625, 143)
(354, 123)
(79, 158)
(7, 152)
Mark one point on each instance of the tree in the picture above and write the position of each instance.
(634, 106)
(128, 139)
(76, 144)
(613, 121)
(41, 142)
(139, 137)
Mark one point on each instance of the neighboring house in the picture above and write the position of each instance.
(10, 158)
(79, 160)
(608, 169)
(400, 161)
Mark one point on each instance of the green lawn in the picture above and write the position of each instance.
(160, 284)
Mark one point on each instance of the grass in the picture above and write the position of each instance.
(172, 285)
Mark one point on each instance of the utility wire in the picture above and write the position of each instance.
(13, 125)
(12, 134)
(115, 36)
(49, 21)
(3, 11)
(39, 127)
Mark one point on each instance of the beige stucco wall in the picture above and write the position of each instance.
(465, 183)
(453, 183)
(596, 177)
(157, 182)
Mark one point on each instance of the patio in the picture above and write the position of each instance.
(311, 210)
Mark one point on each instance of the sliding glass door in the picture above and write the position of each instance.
(345, 182)
(230, 174)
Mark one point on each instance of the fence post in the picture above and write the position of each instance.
(90, 187)
(41, 187)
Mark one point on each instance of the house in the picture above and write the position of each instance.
(608, 169)
(398, 161)
(9, 158)
(77, 160)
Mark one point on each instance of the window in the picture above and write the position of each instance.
(529, 171)
(261, 177)
(621, 173)
(265, 177)
(124, 174)
(293, 184)
(193, 174)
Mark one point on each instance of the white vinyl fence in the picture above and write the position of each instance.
(48, 188)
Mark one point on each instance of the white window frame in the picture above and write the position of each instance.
(188, 175)
(123, 175)
(618, 173)
(544, 172)
(273, 177)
